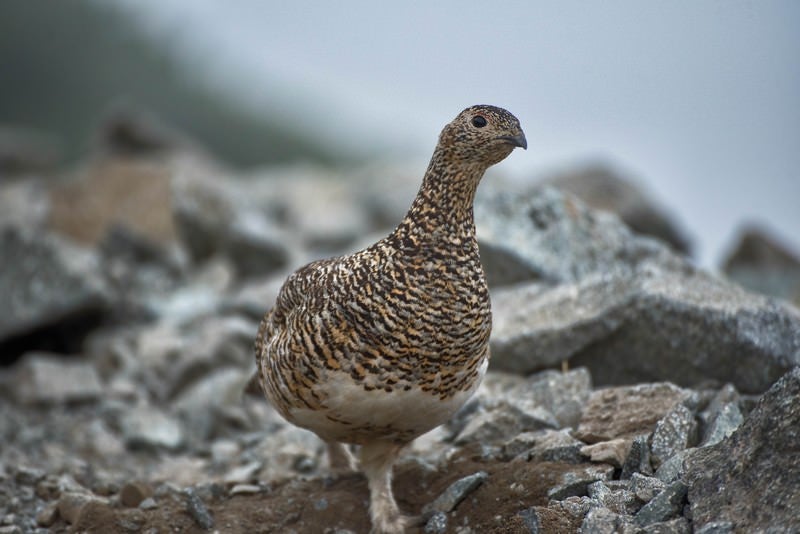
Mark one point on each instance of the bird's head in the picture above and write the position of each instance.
(482, 135)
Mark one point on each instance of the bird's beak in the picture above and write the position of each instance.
(516, 140)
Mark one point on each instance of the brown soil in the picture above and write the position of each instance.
(322, 505)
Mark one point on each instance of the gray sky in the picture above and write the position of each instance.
(698, 100)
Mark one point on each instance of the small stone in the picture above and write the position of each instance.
(10, 529)
(576, 483)
(437, 524)
(148, 504)
(51, 379)
(646, 488)
(148, 428)
(672, 469)
(133, 493)
(531, 520)
(638, 459)
(197, 510)
(716, 527)
(611, 452)
(544, 446)
(679, 525)
(723, 423)
(672, 434)
(47, 515)
(245, 489)
(243, 474)
(321, 504)
(28, 476)
(70, 504)
(664, 506)
(504, 421)
(604, 521)
(455, 493)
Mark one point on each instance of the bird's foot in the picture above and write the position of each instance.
(394, 524)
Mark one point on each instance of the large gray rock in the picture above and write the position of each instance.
(48, 379)
(215, 216)
(552, 237)
(751, 477)
(760, 262)
(46, 280)
(623, 305)
(603, 189)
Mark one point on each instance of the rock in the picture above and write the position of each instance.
(115, 192)
(605, 521)
(679, 325)
(723, 422)
(672, 469)
(197, 510)
(530, 520)
(664, 506)
(620, 501)
(561, 393)
(48, 515)
(760, 262)
(627, 411)
(716, 527)
(201, 404)
(133, 493)
(602, 189)
(24, 203)
(622, 305)
(215, 216)
(245, 489)
(612, 452)
(750, 478)
(575, 483)
(544, 446)
(70, 505)
(679, 525)
(504, 420)
(148, 504)
(646, 488)
(43, 378)
(243, 473)
(554, 238)
(638, 459)
(437, 524)
(455, 493)
(673, 433)
(51, 282)
(145, 427)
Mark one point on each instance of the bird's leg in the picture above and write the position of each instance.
(376, 462)
(340, 460)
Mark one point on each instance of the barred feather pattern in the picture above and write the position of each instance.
(388, 342)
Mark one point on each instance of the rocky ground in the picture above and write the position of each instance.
(629, 391)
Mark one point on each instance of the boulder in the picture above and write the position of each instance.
(761, 262)
(50, 282)
(623, 305)
(602, 188)
(751, 477)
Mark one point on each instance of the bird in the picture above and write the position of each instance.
(376, 348)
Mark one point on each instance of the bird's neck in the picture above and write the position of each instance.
(443, 205)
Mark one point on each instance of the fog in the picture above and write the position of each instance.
(696, 100)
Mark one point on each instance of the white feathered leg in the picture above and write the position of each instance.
(376, 462)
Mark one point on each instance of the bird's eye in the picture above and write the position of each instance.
(478, 121)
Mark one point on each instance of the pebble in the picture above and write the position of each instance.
(245, 489)
(133, 493)
(664, 506)
(47, 515)
(437, 524)
(612, 452)
(672, 434)
(197, 510)
(148, 504)
(70, 505)
(455, 493)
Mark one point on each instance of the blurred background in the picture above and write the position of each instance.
(696, 101)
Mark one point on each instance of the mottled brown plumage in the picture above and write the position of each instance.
(380, 346)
